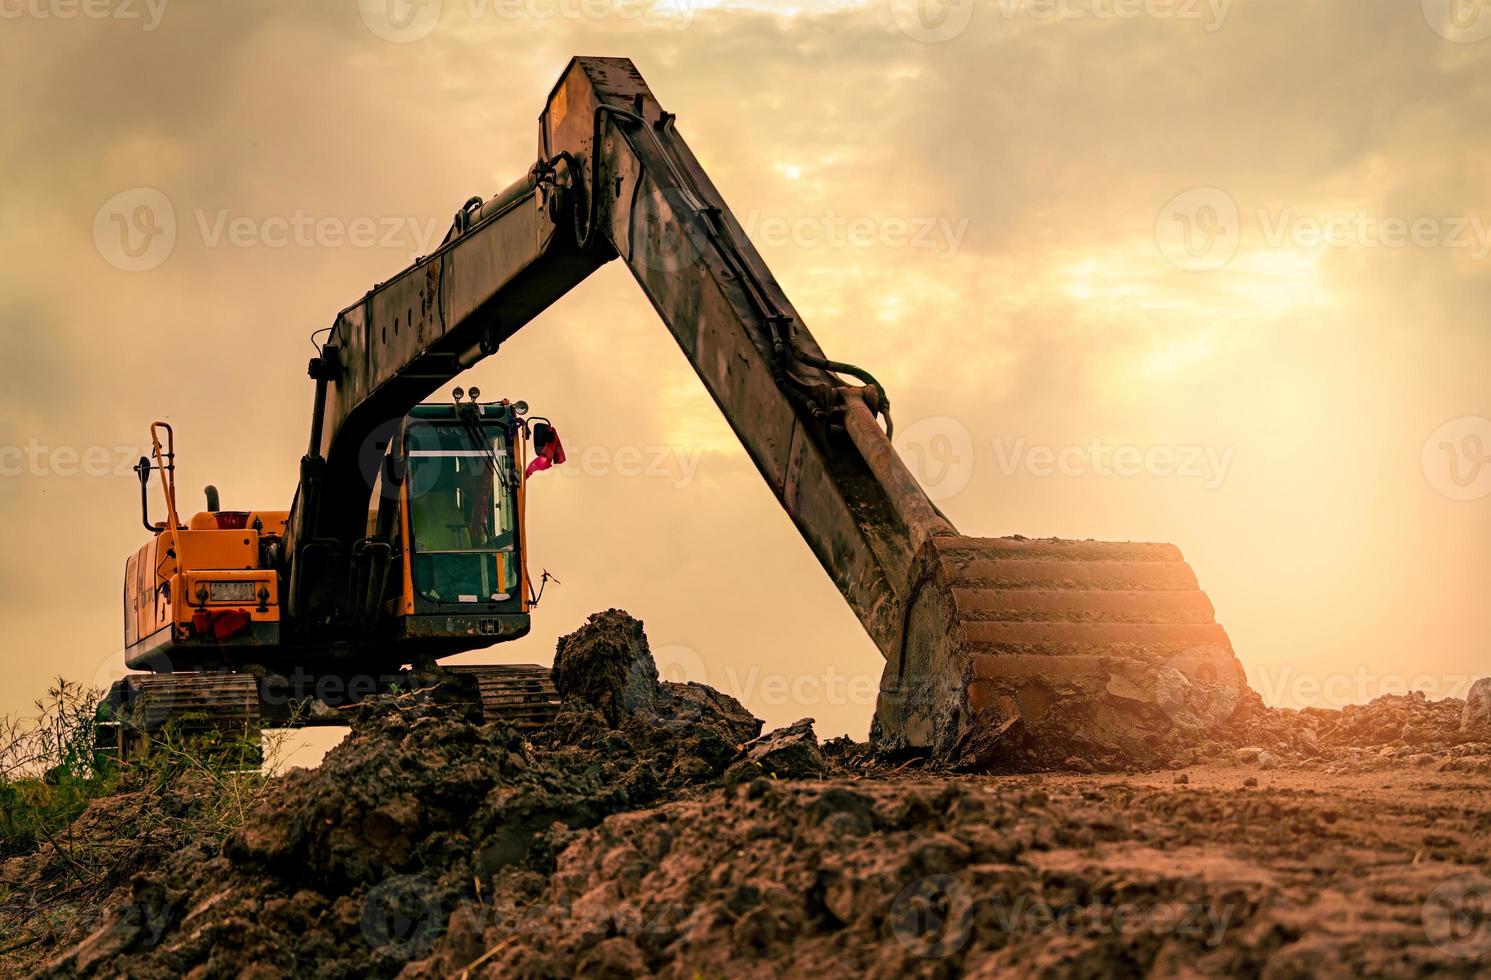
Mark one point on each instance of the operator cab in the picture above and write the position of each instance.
(449, 502)
(442, 569)
(460, 503)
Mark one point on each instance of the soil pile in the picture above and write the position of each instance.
(1379, 734)
(1394, 730)
(419, 794)
(939, 878)
(651, 830)
(58, 895)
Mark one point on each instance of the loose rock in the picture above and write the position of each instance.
(788, 753)
(1477, 714)
(606, 663)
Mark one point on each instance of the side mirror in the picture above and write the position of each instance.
(142, 470)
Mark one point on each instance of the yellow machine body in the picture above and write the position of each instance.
(211, 591)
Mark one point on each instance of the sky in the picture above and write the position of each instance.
(1211, 272)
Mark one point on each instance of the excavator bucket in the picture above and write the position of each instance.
(1021, 651)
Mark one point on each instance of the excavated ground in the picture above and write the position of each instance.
(649, 831)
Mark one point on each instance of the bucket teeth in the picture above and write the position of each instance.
(1040, 649)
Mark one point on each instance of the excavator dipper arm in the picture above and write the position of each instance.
(993, 646)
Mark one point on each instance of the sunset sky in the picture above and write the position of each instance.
(1211, 272)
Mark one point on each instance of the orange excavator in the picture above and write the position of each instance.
(405, 541)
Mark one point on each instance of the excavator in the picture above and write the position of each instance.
(406, 543)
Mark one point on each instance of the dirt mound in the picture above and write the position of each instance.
(86, 874)
(419, 791)
(651, 829)
(1392, 727)
(934, 878)
(49, 897)
(606, 663)
(1393, 730)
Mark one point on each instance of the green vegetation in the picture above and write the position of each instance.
(48, 769)
(182, 788)
(56, 762)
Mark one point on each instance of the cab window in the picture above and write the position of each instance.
(462, 506)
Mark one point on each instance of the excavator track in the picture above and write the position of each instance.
(145, 708)
(235, 706)
(522, 695)
(1019, 647)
